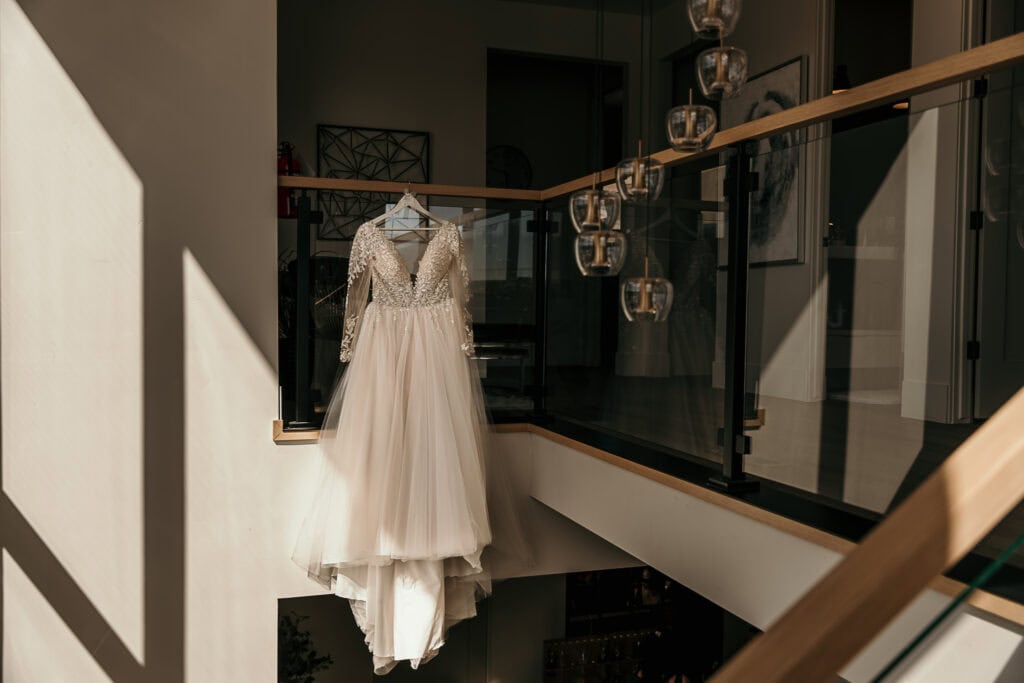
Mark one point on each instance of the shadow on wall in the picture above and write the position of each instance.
(99, 102)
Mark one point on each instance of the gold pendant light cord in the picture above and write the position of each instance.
(596, 155)
(645, 122)
(642, 123)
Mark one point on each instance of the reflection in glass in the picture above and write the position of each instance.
(600, 253)
(639, 178)
(646, 298)
(691, 126)
(722, 71)
(713, 18)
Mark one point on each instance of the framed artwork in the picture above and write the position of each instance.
(365, 154)
(776, 207)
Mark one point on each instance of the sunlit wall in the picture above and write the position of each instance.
(70, 344)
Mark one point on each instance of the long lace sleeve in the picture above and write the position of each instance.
(459, 281)
(358, 291)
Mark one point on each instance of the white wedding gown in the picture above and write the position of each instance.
(400, 518)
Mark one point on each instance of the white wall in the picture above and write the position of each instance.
(938, 189)
(71, 210)
(139, 349)
(410, 65)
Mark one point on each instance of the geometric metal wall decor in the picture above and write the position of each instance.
(365, 154)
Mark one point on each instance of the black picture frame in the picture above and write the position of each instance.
(777, 212)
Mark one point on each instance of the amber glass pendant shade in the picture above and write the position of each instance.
(721, 71)
(691, 126)
(594, 209)
(713, 18)
(600, 253)
(646, 298)
(639, 178)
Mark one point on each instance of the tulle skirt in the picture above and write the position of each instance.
(399, 517)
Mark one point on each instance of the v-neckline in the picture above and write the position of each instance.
(411, 277)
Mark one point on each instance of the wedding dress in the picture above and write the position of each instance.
(400, 515)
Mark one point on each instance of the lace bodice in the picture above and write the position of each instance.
(442, 278)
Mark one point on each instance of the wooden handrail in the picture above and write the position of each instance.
(427, 189)
(941, 72)
(940, 522)
(898, 86)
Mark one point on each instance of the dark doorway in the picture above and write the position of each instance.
(551, 119)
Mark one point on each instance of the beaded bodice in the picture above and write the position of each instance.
(442, 279)
(393, 284)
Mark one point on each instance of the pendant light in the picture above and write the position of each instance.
(640, 178)
(594, 209)
(691, 126)
(600, 253)
(713, 18)
(647, 298)
(600, 247)
(721, 71)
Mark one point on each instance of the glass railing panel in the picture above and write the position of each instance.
(500, 246)
(958, 630)
(857, 277)
(964, 633)
(855, 252)
(868, 289)
(1008, 582)
(645, 380)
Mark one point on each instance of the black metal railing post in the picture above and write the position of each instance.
(540, 228)
(305, 219)
(739, 183)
